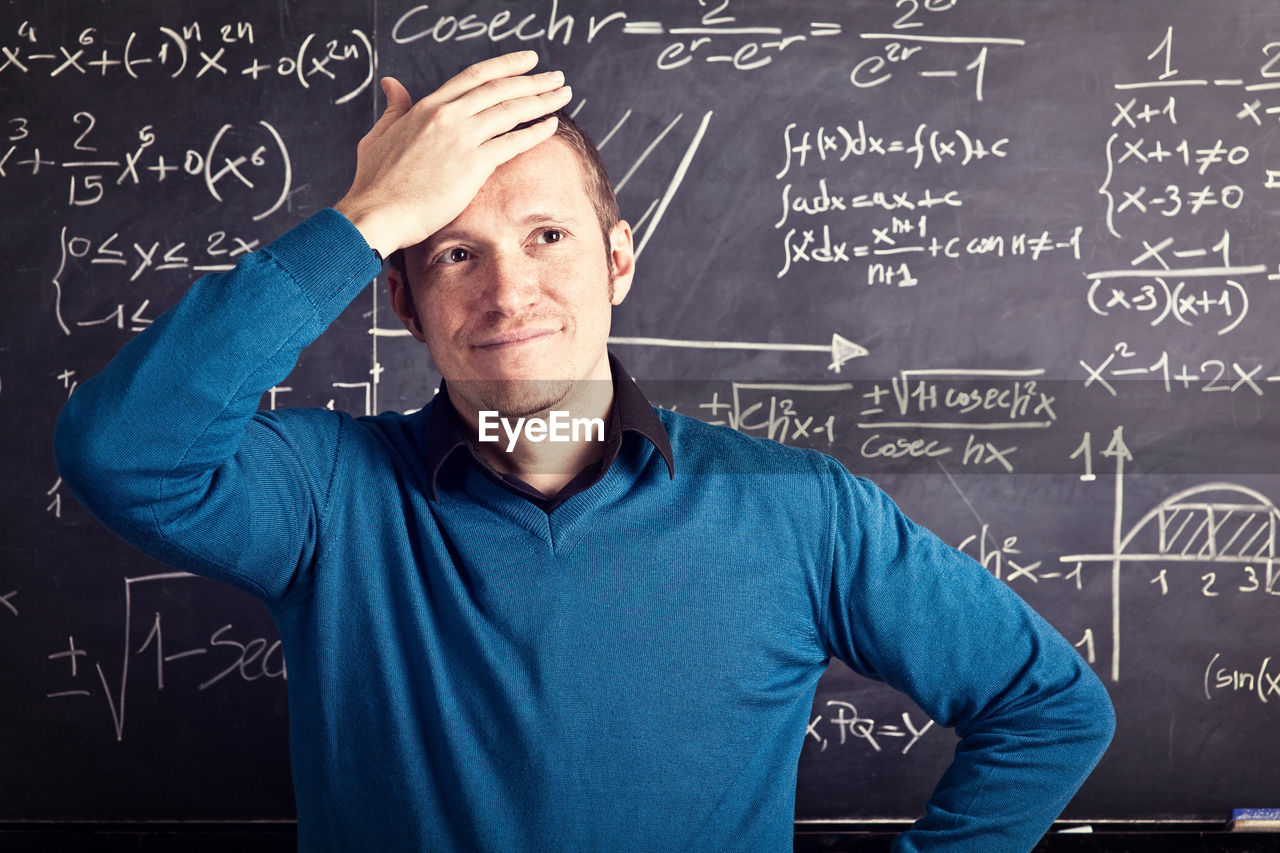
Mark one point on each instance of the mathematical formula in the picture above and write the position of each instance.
(215, 252)
(843, 725)
(237, 158)
(192, 50)
(1261, 682)
(1208, 376)
(227, 657)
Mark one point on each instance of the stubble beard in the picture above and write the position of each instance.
(521, 398)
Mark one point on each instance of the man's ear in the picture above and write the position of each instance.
(623, 255)
(402, 303)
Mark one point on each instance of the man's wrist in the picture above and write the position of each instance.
(325, 253)
(370, 227)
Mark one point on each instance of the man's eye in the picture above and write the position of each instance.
(551, 235)
(455, 255)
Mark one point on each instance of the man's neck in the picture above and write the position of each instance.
(548, 450)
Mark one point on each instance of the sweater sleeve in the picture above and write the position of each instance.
(1032, 717)
(166, 446)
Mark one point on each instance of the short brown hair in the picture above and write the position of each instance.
(599, 187)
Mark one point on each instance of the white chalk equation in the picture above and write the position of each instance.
(824, 217)
(775, 410)
(258, 658)
(837, 143)
(898, 243)
(981, 403)
(341, 63)
(247, 163)
(718, 37)
(898, 48)
(853, 727)
(214, 252)
(803, 413)
(906, 52)
(1261, 681)
(713, 34)
(1223, 304)
(1194, 286)
(1221, 527)
(1205, 376)
(1167, 74)
(800, 203)
(1171, 200)
(1159, 171)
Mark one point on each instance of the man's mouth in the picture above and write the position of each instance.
(513, 338)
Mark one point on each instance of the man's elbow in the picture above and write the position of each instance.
(1093, 714)
(1105, 722)
(72, 444)
(91, 456)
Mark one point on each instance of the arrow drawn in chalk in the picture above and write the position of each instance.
(841, 349)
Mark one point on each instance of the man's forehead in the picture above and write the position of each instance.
(545, 183)
(553, 156)
(545, 177)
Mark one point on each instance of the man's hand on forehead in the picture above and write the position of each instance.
(421, 164)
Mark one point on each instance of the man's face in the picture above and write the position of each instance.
(513, 297)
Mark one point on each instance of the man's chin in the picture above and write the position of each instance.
(516, 398)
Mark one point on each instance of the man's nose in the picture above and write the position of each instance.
(512, 284)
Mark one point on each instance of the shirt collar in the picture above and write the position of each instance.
(632, 412)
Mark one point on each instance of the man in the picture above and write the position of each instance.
(576, 645)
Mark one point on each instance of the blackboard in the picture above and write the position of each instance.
(1015, 261)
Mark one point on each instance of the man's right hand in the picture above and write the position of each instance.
(421, 164)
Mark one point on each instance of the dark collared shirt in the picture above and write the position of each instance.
(630, 413)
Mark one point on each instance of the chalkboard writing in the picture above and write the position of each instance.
(1014, 261)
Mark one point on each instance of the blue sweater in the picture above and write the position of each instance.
(634, 670)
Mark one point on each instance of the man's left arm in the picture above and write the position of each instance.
(1032, 717)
